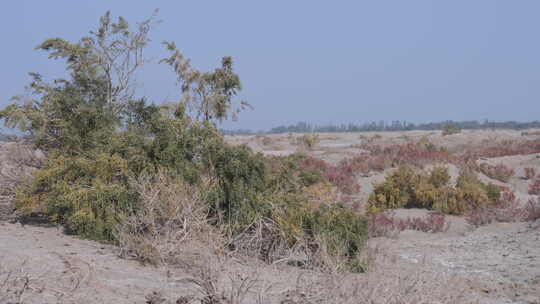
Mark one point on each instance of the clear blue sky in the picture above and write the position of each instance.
(319, 61)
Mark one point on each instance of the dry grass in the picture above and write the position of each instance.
(236, 290)
(14, 284)
(16, 164)
(385, 283)
(171, 216)
(173, 228)
(214, 281)
(388, 225)
(500, 172)
(507, 210)
(263, 240)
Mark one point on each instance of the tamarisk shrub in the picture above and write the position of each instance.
(530, 173)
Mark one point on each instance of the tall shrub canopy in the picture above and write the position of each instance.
(100, 137)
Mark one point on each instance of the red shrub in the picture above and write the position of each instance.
(532, 210)
(530, 173)
(499, 172)
(430, 223)
(480, 216)
(345, 182)
(534, 188)
(313, 163)
(386, 224)
(411, 153)
(379, 163)
(508, 148)
(502, 188)
(354, 165)
(507, 210)
(343, 175)
(415, 154)
(383, 224)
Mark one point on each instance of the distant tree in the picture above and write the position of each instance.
(303, 127)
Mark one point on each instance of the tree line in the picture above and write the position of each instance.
(396, 125)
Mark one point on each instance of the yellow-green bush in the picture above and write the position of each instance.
(407, 188)
(439, 176)
(309, 140)
(396, 192)
(450, 129)
(85, 194)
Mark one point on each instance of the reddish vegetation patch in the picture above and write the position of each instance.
(387, 224)
(499, 172)
(356, 164)
(532, 210)
(534, 188)
(343, 176)
(411, 153)
(530, 173)
(419, 154)
(507, 148)
(506, 210)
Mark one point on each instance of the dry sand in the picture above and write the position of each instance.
(499, 262)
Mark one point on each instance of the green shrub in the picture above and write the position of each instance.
(100, 140)
(311, 177)
(334, 230)
(84, 194)
(340, 226)
(493, 192)
(241, 181)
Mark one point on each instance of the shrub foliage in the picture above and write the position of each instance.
(499, 172)
(100, 138)
(534, 187)
(409, 188)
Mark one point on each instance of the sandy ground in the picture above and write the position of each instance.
(336, 146)
(67, 269)
(499, 263)
(64, 269)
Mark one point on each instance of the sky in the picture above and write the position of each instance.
(324, 62)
